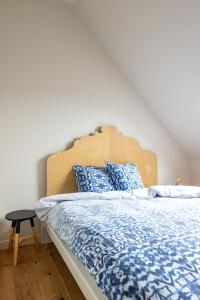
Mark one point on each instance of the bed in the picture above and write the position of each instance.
(139, 245)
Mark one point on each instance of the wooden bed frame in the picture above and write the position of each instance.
(107, 144)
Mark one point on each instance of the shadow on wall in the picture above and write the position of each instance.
(2, 224)
(41, 187)
(42, 177)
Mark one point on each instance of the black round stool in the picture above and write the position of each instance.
(17, 217)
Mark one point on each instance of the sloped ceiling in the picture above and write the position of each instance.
(156, 43)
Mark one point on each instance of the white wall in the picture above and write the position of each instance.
(195, 172)
(57, 83)
(156, 44)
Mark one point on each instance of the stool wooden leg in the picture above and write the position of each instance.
(34, 232)
(16, 247)
(12, 234)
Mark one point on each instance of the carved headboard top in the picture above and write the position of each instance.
(107, 144)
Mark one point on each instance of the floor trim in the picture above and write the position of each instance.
(4, 244)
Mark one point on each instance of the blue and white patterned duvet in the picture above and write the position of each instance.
(135, 248)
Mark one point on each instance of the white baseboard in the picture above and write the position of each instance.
(4, 244)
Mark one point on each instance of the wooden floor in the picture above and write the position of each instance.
(39, 274)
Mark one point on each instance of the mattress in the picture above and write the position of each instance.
(134, 247)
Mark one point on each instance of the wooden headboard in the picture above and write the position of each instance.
(107, 144)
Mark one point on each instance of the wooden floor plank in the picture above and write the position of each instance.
(66, 276)
(32, 281)
(40, 274)
(7, 284)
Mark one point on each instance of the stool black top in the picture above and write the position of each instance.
(20, 215)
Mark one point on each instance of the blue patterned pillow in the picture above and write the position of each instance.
(125, 177)
(92, 179)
